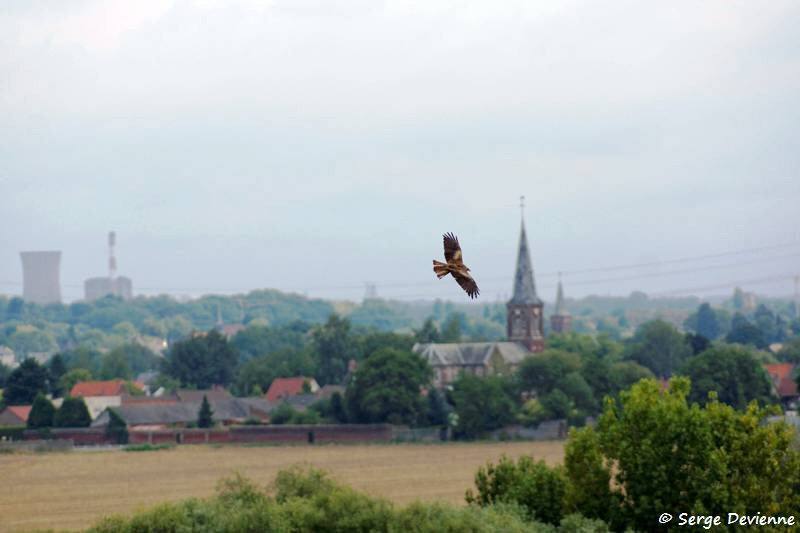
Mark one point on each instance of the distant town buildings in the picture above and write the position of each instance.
(40, 277)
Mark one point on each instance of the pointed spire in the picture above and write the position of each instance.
(524, 287)
(561, 309)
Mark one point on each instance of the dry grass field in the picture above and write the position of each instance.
(72, 490)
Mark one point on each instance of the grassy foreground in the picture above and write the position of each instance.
(75, 490)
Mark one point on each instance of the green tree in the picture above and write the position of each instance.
(670, 455)
(262, 370)
(428, 333)
(658, 346)
(707, 324)
(625, 373)
(72, 413)
(790, 351)
(743, 332)
(42, 412)
(732, 373)
(542, 372)
(697, 343)
(76, 375)
(56, 368)
(24, 383)
(437, 408)
(556, 404)
(136, 357)
(373, 341)
(539, 489)
(202, 361)
(204, 416)
(453, 327)
(481, 404)
(4, 373)
(258, 341)
(386, 388)
(578, 391)
(117, 429)
(28, 341)
(115, 366)
(334, 346)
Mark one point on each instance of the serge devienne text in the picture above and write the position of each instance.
(707, 522)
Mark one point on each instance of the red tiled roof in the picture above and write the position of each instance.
(284, 387)
(782, 377)
(114, 387)
(21, 411)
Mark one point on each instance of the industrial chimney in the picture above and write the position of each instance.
(95, 288)
(40, 277)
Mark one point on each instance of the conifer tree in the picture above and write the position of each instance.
(204, 417)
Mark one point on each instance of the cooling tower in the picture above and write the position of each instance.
(40, 277)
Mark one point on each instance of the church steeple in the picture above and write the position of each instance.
(560, 321)
(524, 322)
(524, 286)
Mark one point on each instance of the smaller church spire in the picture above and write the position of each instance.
(561, 309)
(560, 320)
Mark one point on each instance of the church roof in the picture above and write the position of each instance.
(469, 353)
(561, 309)
(524, 286)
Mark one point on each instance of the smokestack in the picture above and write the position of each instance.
(40, 277)
(112, 261)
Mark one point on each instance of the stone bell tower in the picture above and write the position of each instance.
(525, 318)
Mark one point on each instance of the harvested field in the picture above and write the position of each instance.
(72, 490)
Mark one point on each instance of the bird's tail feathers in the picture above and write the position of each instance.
(440, 269)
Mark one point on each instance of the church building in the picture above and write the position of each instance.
(524, 331)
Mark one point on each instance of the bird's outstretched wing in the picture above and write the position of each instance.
(452, 250)
(467, 283)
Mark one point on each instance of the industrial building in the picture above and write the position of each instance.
(94, 288)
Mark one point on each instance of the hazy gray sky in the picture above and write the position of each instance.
(315, 145)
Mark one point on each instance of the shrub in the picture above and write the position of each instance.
(205, 415)
(531, 484)
(117, 429)
(72, 413)
(42, 413)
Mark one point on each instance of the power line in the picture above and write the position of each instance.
(506, 278)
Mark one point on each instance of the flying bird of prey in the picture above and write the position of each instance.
(455, 266)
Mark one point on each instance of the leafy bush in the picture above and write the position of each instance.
(42, 413)
(531, 484)
(117, 429)
(72, 414)
(307, 500)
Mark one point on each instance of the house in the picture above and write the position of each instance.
(15, 415)
(229, 330)
(7, 357)
(783, 382)
(214, 394)
(99, 395)
(448, 360)
(282, 388)
(326, 391)
(182, 414)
